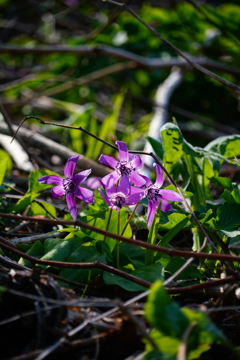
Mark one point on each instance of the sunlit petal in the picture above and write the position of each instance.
(108, 160)
(81, 176)
(114, 175)
(57, 191)
(122, 151)
(152, 208)
(170, 195)
(71, 203)
(84, 194)
(70, 166)
(94, 182)
(124, 186)
(166, 206)
(136, 196)
(137, 179)
(135, 162)
(159, 176)
(50, 179)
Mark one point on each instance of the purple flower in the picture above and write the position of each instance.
(155, 196)
(122, 195)
(69, 185)
(126, 166)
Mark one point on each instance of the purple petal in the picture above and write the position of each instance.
(70, 166)
(71, 203)
(152, 208)
(84, 194)
(166, 206)
(137, 179)
(122, 151)
(159, 176)
(170, 195)
(50, 179)
(57, 191)
(136, 196)
(148, 181)
(108, 160)
(114, 175)
(124, 186)
(105, 198)
(81, 176)
(110, 187)
(135, 162)
(94, 182)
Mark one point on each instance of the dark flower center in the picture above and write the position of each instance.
(118, 201)
(68, 185)
(121, 167)
(153, 194)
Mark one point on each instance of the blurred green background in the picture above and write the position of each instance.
(95, 84)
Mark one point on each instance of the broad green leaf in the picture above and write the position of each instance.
(174, 231)
(5, 157)
(34, 185)
(131, 254)
(37, 250)
(236, 195)
(60, 250)
(230, 233)
(173, 220)
(222, 182)
(228, 216)
(3, 169)
(22, 203)
(100, 220)
(157, 147)
(227, 146)
(157, 355)
(227, 196)
(83, 254)
(149, 273)
(171, 265)
(42, 208)
(165, 314)
(172, 144)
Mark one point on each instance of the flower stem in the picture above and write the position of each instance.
(129, 219)
(109, 218)
(118, 232)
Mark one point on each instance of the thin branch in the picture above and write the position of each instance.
(153, 63)
(176, 50)
(163, 250)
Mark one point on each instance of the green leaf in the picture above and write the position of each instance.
(22, 203)
(223, 182)
(3, 169)
(61, 249)
(37, 251)
(157, 147)
(174, 231)
(227, 146)
(173, 220)
(46, 209)
(34, 185)
(5, 157)
(100, 220)
(149, 273)
(227, 196)
(164, 314)
(83, 254)
(228, 216)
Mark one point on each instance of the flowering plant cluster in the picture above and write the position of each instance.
(124, 186)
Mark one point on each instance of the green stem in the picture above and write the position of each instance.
(109, 218)
(118, 232)
(129, 219)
